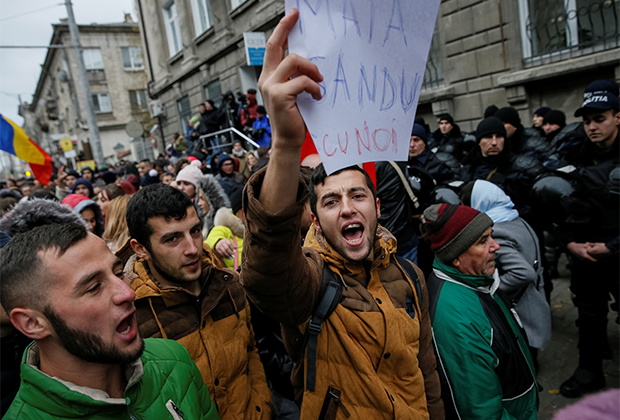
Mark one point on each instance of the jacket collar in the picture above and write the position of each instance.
(52, 385)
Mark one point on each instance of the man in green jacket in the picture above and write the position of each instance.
(486, 368)
(63, 288)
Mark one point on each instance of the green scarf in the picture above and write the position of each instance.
(470, 280)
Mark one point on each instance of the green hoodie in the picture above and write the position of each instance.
(486, 359)
(164, 377)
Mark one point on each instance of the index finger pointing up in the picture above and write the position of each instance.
(276, 46)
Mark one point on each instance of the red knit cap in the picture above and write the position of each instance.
(453, 229)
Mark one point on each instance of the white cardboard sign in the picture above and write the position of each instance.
(372, 55)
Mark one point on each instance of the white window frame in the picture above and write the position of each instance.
(572, 37)
(236, 3)
(203, 19)
(90, 62)
(173, 31)
(134, 53)
(100, 100)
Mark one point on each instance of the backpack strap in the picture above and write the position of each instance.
(413, 276)
(330, 295)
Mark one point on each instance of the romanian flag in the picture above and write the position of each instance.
(308, 148)
(14, 140)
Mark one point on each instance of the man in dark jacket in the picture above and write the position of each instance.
(486, 367)
(447, 138)
(381, 319)
(590, 233)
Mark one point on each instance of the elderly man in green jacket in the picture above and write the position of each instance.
(63, 288)
(486, 368)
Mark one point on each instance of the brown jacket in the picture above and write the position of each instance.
(375, 347)
(214, 328)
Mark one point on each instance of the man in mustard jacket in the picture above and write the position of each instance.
(374, 357)
(184, 294)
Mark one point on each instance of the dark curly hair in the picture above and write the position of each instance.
(157, 200)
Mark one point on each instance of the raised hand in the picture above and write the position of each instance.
(281, 80)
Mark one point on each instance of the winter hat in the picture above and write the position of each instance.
(109, 177)
(452, 229)
(190, 174)
(555, 117)
(151, 178)
(489, 126)
(87, 184)
(419, 131)
(38, 212)
(446, 117)
(223, 158)
(509, 115)
(73, 173)
(490, 111)
(127, 187)
(79, 203)
(542, 111)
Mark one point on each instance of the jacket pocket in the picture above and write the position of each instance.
(331, 404)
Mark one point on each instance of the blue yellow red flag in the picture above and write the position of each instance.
(14, 140)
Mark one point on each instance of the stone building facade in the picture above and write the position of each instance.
(519, 53)
(195, 51)
(115, 68)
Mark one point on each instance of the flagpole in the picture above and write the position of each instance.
(93, 129)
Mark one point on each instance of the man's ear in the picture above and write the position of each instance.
(456, 263)
(140, 250)
(315, 222)
(30, 322)
(378, 208)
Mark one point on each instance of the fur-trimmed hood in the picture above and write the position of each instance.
(216, 197)
(37, 212)
(225, 217)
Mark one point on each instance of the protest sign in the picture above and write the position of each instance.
(372, 55)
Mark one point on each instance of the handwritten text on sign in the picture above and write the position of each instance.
(372, 55)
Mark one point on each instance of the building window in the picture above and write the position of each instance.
(173, 31)
(236, 3)
(102, 102)
(132, 58)
(201, 10)
(137, 100)
(562, 29)
(213, 91)
(433, 75)
(92, 59)
(185, 111)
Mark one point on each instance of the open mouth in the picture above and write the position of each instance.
(125, 327)
(353, 234)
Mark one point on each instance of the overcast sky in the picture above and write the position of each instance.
(30, 23)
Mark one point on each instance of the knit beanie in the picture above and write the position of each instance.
(223, 158)
(490, 111)
(419, 131)
(490, 126)
(446, 117)
(189, 174)
(555, 117)
(542, 111)
(452, 229)
(509, 115)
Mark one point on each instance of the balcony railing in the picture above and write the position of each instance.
(558, 30)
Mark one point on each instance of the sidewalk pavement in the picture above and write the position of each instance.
(559, 360)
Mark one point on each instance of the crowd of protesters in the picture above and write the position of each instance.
(220, 282)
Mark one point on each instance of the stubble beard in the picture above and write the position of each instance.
(90, 347)
(342, 251)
